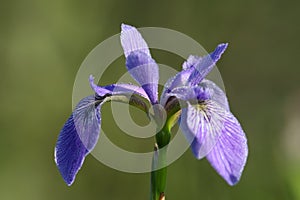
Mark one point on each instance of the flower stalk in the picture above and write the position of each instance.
(159, 168)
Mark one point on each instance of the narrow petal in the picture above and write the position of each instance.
(145, 71)
(124, 93)
(179, 80)
(194, 71)
(204, 65)
(132, 41)
(190, 62)
(139, 62)
(77, 138)
(229, 156)
(117, 89)
(100, 91)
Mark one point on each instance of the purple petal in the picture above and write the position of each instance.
(195, 93)
(77, 138)
(117, 89)
(217, 94)
(190, 62)
(179, 80)
(145, 71)
(194, 71)
(204, 65)
(215, 133)
(206, 90)
(229, 156)
(201, 125)
(101, 91)
(132, 41)
(139, 62)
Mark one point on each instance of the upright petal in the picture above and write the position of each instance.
(204, 65)
(195, 69)
(132, 41)
(229, 156)
(145, 71)
(190, 62)
(139, 62)
(179, 80)
(77, 138)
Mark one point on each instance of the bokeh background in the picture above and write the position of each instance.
(42, 44)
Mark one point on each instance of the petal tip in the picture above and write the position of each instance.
(91, 78)
(68, 181)
(222, 47)
(217, 53)
(233, 180)
(198, 156)
(132, 40)
(224, 44)
(92, 83)
(125, 27)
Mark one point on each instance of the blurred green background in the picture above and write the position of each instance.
(42, 44)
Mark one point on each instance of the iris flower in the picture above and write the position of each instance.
(204, 115)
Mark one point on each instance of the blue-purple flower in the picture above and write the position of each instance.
(204, 115)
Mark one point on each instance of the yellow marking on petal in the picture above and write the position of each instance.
(201, 107)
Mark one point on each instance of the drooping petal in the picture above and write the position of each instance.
(69, 152)
(117, 89)
(201, 119)
(202, 124)
(77, 138)
(145, 71)
(215, 133)
(229, 155)
(139, 62)
(207, 90)
(212, 130)
(204, 65)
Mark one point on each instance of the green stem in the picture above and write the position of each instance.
(159, 177)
